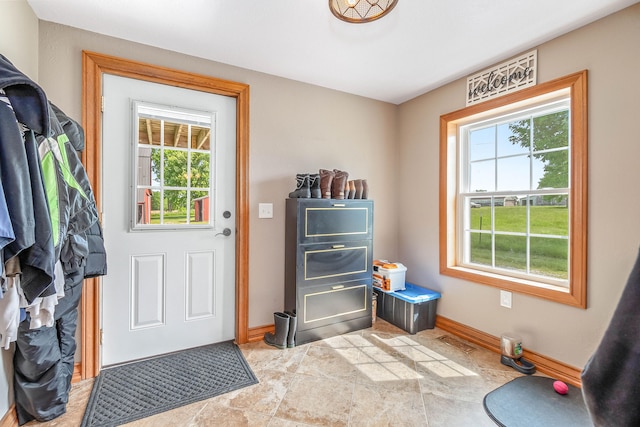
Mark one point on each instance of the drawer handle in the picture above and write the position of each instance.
(337, 246)
(339, 205)
(337, 287)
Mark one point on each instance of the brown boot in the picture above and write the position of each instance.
(358, 185)
(353, 193)
(347, 189)
(326, 182)
(339, 181)
(365, 189)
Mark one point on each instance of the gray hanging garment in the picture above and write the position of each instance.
(611, 378)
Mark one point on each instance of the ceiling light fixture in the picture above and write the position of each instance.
(360, 11)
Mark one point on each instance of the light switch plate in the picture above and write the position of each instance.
(265, 210)
(505, 299)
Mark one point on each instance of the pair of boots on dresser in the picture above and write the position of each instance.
(307, 186)
(285, 334)
(335, 184)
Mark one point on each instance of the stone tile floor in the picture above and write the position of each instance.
(380, 376)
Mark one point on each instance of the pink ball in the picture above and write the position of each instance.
(560, 387)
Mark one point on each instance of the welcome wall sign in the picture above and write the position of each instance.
(510, 76)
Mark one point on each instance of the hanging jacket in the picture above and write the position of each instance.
(96, 264)
(6, 229)
(14, 176)
(21, 177)
(71, 204)
(96, 260)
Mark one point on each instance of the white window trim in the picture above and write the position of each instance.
(559, 102)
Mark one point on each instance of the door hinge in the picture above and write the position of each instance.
(102, 103)
(101, 336)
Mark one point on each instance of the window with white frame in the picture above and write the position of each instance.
(513, 192)
(173, 156)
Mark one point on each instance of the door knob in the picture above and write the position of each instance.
(226, 232)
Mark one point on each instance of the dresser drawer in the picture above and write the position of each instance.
(331, 262)
(323, 305)
(335, 220)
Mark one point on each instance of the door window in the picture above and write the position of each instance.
(174, 152)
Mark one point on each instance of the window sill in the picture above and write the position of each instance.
(546, 291)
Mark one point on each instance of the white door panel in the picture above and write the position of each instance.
(173, 288)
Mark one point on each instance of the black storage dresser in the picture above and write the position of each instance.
(328, 265)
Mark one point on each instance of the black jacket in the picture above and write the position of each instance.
(22, 180)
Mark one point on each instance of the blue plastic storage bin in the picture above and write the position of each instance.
(412, 309)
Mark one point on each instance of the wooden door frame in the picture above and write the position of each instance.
(94, 66)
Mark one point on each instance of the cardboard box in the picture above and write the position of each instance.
(412, 309)
(388, 276)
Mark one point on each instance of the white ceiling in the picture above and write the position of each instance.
(419, 46)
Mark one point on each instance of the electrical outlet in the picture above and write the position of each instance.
(505, 299)
(265, 210)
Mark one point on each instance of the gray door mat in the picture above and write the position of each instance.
(140, 389)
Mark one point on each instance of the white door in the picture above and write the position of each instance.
(168, 196)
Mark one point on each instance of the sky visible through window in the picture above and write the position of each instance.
(490, 145)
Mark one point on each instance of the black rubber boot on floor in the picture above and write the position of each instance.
(293, 325)
(279, 338)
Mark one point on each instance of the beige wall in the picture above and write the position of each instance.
(19, 36)
(609, 50)
(19, 44)
(295, 127)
